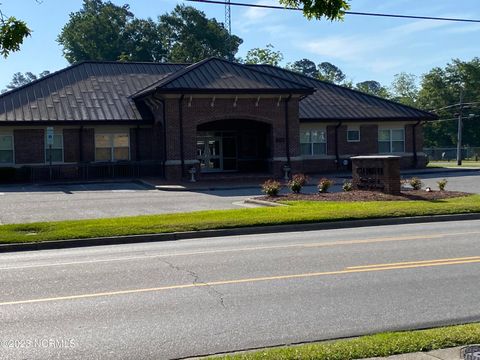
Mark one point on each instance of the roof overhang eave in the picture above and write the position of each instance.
(306, 91)
(382, 119)
(74, 122)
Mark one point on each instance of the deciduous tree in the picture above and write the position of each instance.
(190, 36)
(441, 90)
(329, 9)
(404, 89)
(331, 73)
(372, 87)
(265, 55)
(305, 67)
(12, 33)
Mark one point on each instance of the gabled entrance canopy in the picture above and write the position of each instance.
(218, 76)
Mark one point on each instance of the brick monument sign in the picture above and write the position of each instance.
(376, 173)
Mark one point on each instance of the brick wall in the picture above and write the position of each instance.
(141, 144)
(29, 146)
(88, 145)
(381, 173)
(79, 145)
(202, 110)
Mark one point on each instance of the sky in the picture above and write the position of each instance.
(365, 48)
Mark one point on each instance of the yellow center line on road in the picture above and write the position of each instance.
(246, 249)
(414, 262)
(239, 281)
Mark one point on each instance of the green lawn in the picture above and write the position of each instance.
(297, 213)
(453, 163)
(384, 344)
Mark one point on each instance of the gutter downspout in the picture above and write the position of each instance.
(80, 144)
(337, 155)
(180, 115)
(287, 135)
(414, 135)
(137, 145)
(164, 131)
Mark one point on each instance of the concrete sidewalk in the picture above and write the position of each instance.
(443, 354)
(252, 181)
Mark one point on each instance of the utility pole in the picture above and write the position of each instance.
(228, 26)
(460, 130)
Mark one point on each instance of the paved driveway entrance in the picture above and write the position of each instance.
(20, 204)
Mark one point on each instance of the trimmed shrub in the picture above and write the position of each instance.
(442, 184)
(271, 187)
(347, 185)
(298, 181)
(415, 183)
(324, 184)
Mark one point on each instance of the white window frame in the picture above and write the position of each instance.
(47, 147)
(311, 143)
(391, 141)
(112, 134)
(13, 150)
(356, 129)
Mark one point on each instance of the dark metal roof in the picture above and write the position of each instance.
(213, 75)
(87, 91)
(90, 92)
(334, 102)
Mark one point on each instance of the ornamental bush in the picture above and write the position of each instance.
(298, 181)
(442, 184)
(347, 185)
(415, 183)
(324, 184)
(271, 187)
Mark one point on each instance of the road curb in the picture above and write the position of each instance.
(263, 202)
(132, 239)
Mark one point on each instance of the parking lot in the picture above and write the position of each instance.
(20, 204)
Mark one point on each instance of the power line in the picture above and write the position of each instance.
(346, 12)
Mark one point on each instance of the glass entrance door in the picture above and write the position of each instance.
(217, 151)
(209, 153)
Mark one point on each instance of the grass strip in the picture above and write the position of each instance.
(384, 344)
(453, 164)
(299, 212)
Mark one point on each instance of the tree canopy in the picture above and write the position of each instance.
(12, 33)
(265, 55)
(330, 9)
(331, 73)
(190, 36)
(105, 31)
(20, 79)
(372, 87)
(441, 90)
(305, 67)
(405, 89)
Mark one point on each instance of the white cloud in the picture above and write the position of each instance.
(417, 26)
(253, 14)
(345, 48)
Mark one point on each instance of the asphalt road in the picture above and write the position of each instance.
(21, 204)
(202, 296)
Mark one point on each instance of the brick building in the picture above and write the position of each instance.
(136, 118)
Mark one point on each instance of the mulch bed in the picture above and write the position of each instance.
(361, 195)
